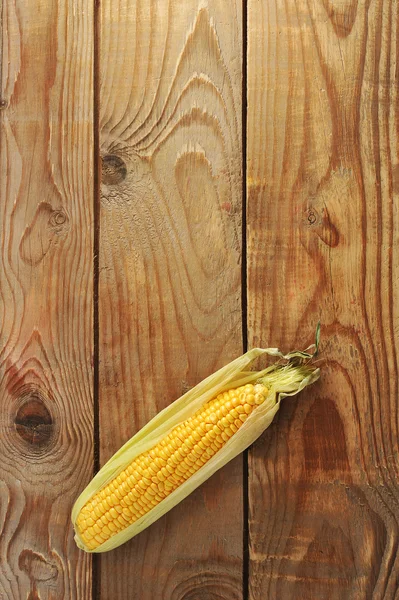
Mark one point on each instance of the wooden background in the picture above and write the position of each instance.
(181, 180)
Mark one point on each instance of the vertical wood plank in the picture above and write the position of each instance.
(323, 243)
(46, 198)
(170, 276)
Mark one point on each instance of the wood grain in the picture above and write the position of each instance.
(170, 275)
(45, 295)
(323, 243)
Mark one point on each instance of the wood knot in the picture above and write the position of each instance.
(311, 217)
(207, 586)
(58, 218)
(47, 226)
(37, 566)
(322, 225)
(33, 421)
(113, 168)
(3, 104)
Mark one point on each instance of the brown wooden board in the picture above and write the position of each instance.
(322, 163)
(46, 270)
(170, 266)
(159, 85)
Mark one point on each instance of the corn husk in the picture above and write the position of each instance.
(281, 379)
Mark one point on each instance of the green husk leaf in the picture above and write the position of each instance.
(282, 380)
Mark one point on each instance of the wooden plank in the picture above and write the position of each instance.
(323, 243)
(170, 280)
(46, 198)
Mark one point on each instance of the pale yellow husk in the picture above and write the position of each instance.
(281, 383)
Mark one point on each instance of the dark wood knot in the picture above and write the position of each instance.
(311, 217)
(114, 169)
(3, 104)
(33, 422)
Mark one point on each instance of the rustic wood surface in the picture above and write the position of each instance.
(46, 273)
(323, 230)
(126, 129)
(170, 273)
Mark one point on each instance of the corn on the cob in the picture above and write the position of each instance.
(170, 457)
(156, 473)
